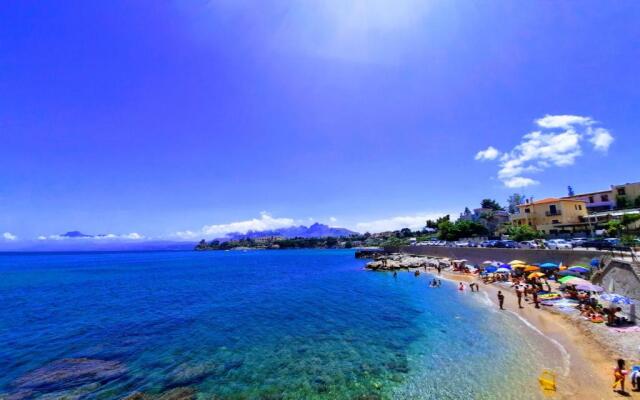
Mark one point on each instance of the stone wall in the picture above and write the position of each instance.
(620, 277)
(477, 255)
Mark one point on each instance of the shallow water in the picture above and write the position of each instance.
(258, 324)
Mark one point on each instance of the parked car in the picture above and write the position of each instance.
(577, 242)
(489, 243)
(529, 244)
(598, 244)
(506, 244)
(558, 244)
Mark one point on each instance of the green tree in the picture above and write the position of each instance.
(331, 242)
(636, 202)
(614, 227)
(394, 242)
(523, 232)
(622, 202)
(491, 204)
(513, 201)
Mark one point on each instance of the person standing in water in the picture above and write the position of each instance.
(461, 287)
(395, 274)
(500, 299)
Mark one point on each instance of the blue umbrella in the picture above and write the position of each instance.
(567, 272)
(503, 270)
(581, 270)
(616, 298)
(491, 269)
(548, 265)
(507, 266)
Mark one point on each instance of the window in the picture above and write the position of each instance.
(527, 210)
(579, 206)
(590, 199)
(555, 221)
(553, 210)
(604, 197)
(621, 191)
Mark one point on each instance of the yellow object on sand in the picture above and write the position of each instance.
(547, 381)
(530, 268)
(535, 275)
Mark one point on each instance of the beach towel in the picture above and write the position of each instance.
(627, 329)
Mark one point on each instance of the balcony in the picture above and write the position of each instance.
(553, 213)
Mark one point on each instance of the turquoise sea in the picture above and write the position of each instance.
(299, 324)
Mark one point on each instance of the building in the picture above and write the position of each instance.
(553, 216)
(618, 197)
(489, 218)
(596, 201)
(626, 195)
(267, 239)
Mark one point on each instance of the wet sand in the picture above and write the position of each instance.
(589, 375)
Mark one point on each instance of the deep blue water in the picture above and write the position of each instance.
(259, 324)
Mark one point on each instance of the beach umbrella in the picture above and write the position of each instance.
(578, 281)
(567, 272)
(535, 275)
(616, 298)
(567, 279)
(531, 268)
(515, 262)
(491, 269)
(503, 270)
(520, 266)
(581, 270)
(507, 266)
(548, 265)
(488, 262)
(589, 287)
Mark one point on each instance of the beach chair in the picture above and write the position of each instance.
(547, 382)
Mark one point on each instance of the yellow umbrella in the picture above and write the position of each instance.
(535, 275)
(520, 266)
(530, 268)
(514, 262)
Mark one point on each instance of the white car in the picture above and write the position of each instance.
(529, 244)
(558, 244)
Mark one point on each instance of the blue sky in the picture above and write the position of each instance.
(175, 119)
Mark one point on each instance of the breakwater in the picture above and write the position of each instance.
(477, 255)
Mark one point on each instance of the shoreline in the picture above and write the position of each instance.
(590, 361)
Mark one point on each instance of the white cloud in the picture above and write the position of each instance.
(9, 236)
(333, 220)
(519, 182)
(413, 222)
(563, 121)
(265, 222)
(490, 153)
(557, 144)
(601, 139)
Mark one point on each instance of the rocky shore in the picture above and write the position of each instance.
(397, 261)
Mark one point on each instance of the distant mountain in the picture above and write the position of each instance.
(316, 230)
(75, 234)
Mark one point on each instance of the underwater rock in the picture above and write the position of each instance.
(187, 373)
(68, 373)
(180, 393)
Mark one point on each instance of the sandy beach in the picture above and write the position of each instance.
(590, 358)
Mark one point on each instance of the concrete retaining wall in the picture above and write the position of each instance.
(477, 255)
